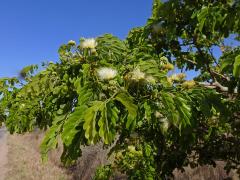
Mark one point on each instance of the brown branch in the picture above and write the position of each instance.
(222, 76)
(214, 59)
(203, 56)
(214, 72)
(214, 85)
(193, 62)
(211, 72)
(217, 85)
(221, 87)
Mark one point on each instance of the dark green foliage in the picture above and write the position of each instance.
(121, 93)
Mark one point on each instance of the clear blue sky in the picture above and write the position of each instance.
(32, 30)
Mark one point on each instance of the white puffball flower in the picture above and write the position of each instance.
(90, 43)
(106, 73)
(137, 74)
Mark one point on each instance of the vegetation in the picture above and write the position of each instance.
(120, 92)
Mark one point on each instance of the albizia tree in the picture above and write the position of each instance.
(119, 92)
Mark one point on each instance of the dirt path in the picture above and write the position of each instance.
(3, 153)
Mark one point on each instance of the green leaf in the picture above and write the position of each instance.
(170, 110)
(111, 48)
(177, 109)
(183, 109)
(151, 68)
(127, 101)
(90, 118)
(201, 16)
(72, 152)
(50, 140)
(236, 67)
(104, 126)
(85, 93)
(168, 101)
(155, 9)
(148, 111)
(28, 70)
(226, 63)
(107, 123)
(69, 128)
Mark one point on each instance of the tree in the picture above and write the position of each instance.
(120, 92)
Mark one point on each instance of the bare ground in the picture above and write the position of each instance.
(21, 153)
(24, 161)
(3, 153)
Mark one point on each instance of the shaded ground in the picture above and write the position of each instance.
(206, 173)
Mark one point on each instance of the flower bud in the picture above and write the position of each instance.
(164, 59)
(181, 76)
(189, 84)
(168, 66)
(131, 148)
(72, 43)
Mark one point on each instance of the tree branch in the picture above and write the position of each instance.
(214, 72)
(217, 85)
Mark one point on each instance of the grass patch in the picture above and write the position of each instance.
(24, 160)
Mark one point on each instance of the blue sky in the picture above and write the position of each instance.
(31, 31)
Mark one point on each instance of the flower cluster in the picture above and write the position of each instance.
(177, 77)
(137, 75)
(168, 66)
(89, 43)
(106, 73)
(189, 84)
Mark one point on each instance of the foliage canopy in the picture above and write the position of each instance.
(120, 92)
